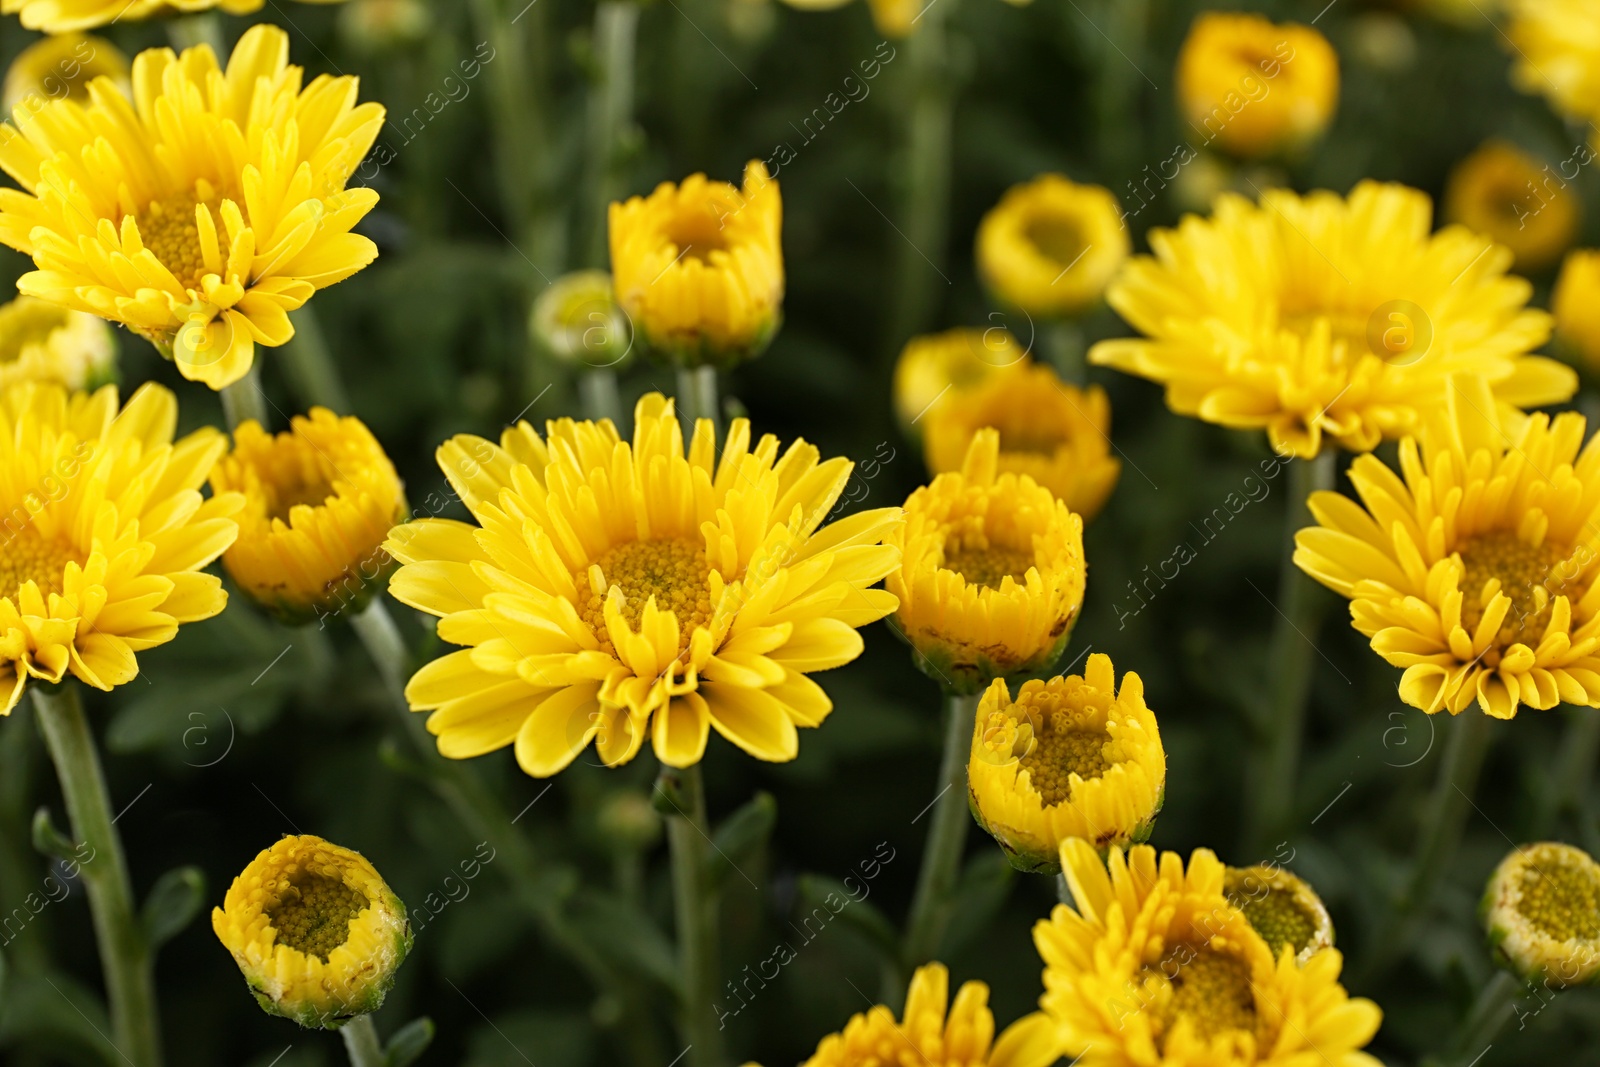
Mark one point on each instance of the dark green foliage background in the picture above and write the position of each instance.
(431, 342)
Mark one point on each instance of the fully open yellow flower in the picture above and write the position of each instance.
(1281, 907)
(1555, 47)
(1319, 315)
(610, 591)
(1151, 966)
(41, 341)
(1473, 568)
(698, 267)
(933, 1032)
(316, 931)
(1255, 88)
(933, 366)
(1071, 757)
(1050, 246)
(61, 68)
(1057, 434)
(60, 16)
(992, 574)
(319, 502)
(1576, 304)
(1504, 193)
(103, 533)
(204, 212)
(1542, 913)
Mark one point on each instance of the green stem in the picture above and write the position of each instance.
(1063, 891)
(1580, 747)
(1062, 344)
(926, 171)
(616, 24)
(1489, 1015)
(518, 97)
(204, 27)
(477, 809)
(361, 1042)
(597, 389)
(694, 903)
(1291, 659)
(125, 954)
(1122, 83)
(244, 400)
(947, 837)
(309, 365)
(697, 398)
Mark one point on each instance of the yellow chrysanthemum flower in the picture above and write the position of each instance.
(1071, 757)
(61, 68)
(319, 502)
(1055, 433)
(934, 365)
(576, 319)
(1504, 193)
(103, 533)
(1542, 914)
(316, 931)
(1556, 51)
(1051, 246)
(698, 267)
(610, 591)
(61, 16)
(992, 574)
(45, 342)
(1255, 88)
(1152, 967)
(933, 1032)
(1576, 304)
(1476, 572)
(204, 212)
(1281, 907)
(1322, 315)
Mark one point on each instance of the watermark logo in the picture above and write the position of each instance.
(1399, 333)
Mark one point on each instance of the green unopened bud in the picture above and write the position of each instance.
(629, 821)
(1281, 907)
(380, 25)
(577, 320)
(1542, 914)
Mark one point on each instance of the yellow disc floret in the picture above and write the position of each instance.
(1072, 757)
(1282, 908)
(316, 931)
(1542, 912)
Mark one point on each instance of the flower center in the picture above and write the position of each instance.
(1209, 988)
(27, 322)
(1532, 576)
(1274, 914)
(1038, 440)
(28, 556)
(988, 566)
(1061, 750)
(673, 570)
(284, 497)
(168, 229)
(314, 914)
(697, 233)
(1345, 327)
(1058, 238)
(1562, 900)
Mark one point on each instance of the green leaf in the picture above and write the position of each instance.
(625, 935)
(58, 1015)
(173, 904)
(409, 1042)
(977, 899)
(50, 841)
(865, 919)
(740, 838)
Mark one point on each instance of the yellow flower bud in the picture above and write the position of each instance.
(320, 499)
(315, 930)
(1503, 193)
(1281, 907)
(1051, 246)
(934, 366)
(61, 68)
(1069, 758)
(577, 320)
(1542, 914)
(45, 342)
